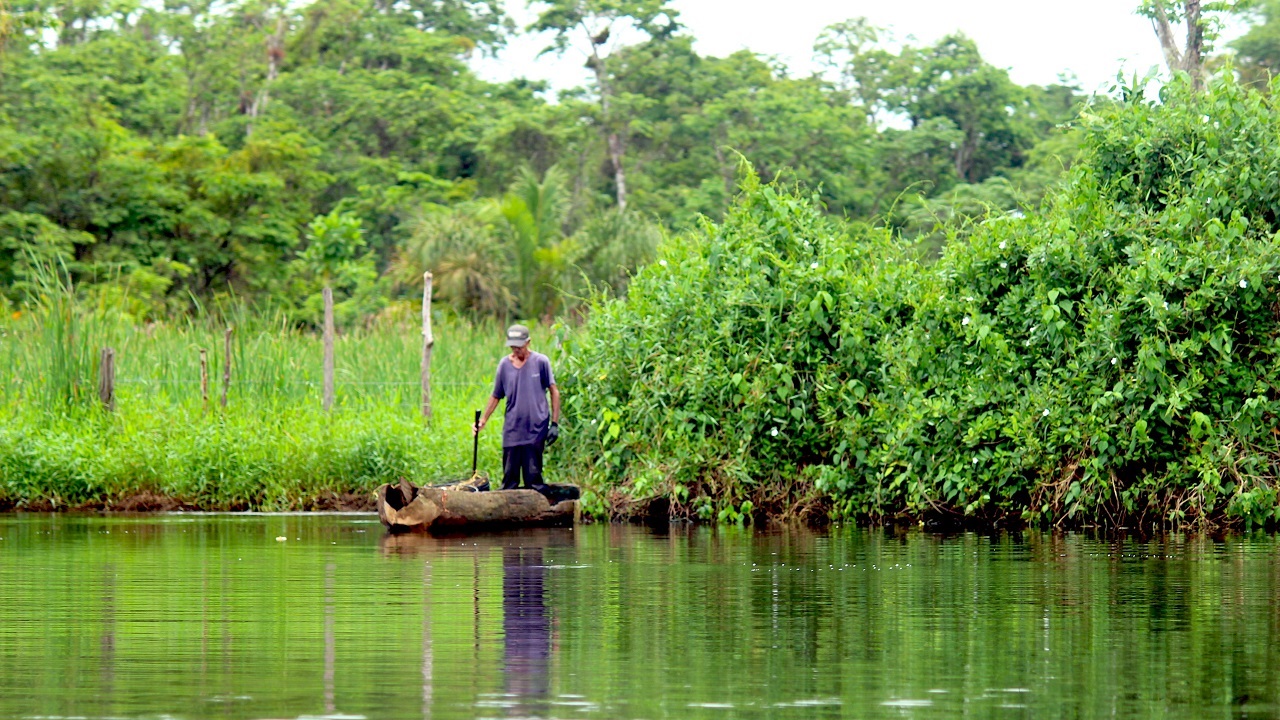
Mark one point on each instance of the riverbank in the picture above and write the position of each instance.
(1107, 358)
(146, 502)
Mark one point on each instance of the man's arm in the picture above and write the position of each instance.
(488, 410)
(553, 433)
(549, 381)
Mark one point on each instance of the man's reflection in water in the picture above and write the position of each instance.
(527, 627)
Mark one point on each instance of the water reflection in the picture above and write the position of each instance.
(526, 638)
(526, 627)
(193, 617)
(330, 645)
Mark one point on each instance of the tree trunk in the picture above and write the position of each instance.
(726, 170)
(1164, 31)
(275, 53)
(612, 138)
(328, 348)
(107, 379)
(226, 366)
(204, 382)
(428, 341)
(1189, 58)
(619, 176)
(1192, 56)
(964, 156)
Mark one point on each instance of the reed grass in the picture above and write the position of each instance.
(272, 447)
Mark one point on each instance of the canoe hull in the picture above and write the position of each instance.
(445, 509)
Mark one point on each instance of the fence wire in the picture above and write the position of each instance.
(308, 383)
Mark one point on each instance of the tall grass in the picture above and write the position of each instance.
(272, 447)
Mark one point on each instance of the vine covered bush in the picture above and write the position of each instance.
(1110, 357)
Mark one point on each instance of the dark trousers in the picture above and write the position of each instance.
(525, 459)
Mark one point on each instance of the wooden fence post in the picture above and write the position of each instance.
(204, 382)
(226, 366)
(107, 379)
(428, 340)
(328, 348)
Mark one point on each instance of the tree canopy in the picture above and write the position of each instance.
(181, 151)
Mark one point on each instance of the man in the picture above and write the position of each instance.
(524, 379)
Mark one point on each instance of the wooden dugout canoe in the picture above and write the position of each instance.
(471, 505)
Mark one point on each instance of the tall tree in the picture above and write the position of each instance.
(595, 26)
(864, 70)
(274, 57)
(1202, 21)
(1258, 50)
(951, 80)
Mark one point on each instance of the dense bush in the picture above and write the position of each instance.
(706, 384)
(1110, 358)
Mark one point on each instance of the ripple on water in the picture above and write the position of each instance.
(907, 703)
(811, 702)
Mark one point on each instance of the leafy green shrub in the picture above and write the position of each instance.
(1110, 358)
(705, 384)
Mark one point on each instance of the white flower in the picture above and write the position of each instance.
(965, 321)
(975, 461)
(1244, 283)
(1026, 343)
(813, 266)
(774, 432)
(1045, 413)
(1204, 118)
(968, 298)
(1002, 244)
(1004, 265)
(1114, 361)
(1166, 304)
(663, 263)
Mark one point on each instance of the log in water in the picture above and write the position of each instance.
(408, 508)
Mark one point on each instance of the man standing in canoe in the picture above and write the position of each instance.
(524, 379)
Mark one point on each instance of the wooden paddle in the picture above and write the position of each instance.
(475, 446)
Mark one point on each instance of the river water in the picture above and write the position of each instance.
(195, 616)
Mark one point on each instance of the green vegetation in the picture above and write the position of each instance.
(271, 448)
(1112, 358)
(910, 315)
(179, 155)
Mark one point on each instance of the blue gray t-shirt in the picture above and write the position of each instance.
(525, 388)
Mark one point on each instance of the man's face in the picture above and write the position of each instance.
(521, 352)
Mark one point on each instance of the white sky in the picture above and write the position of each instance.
(1036, 40)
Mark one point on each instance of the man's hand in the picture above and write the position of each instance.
(475, 429)
(552, 433)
